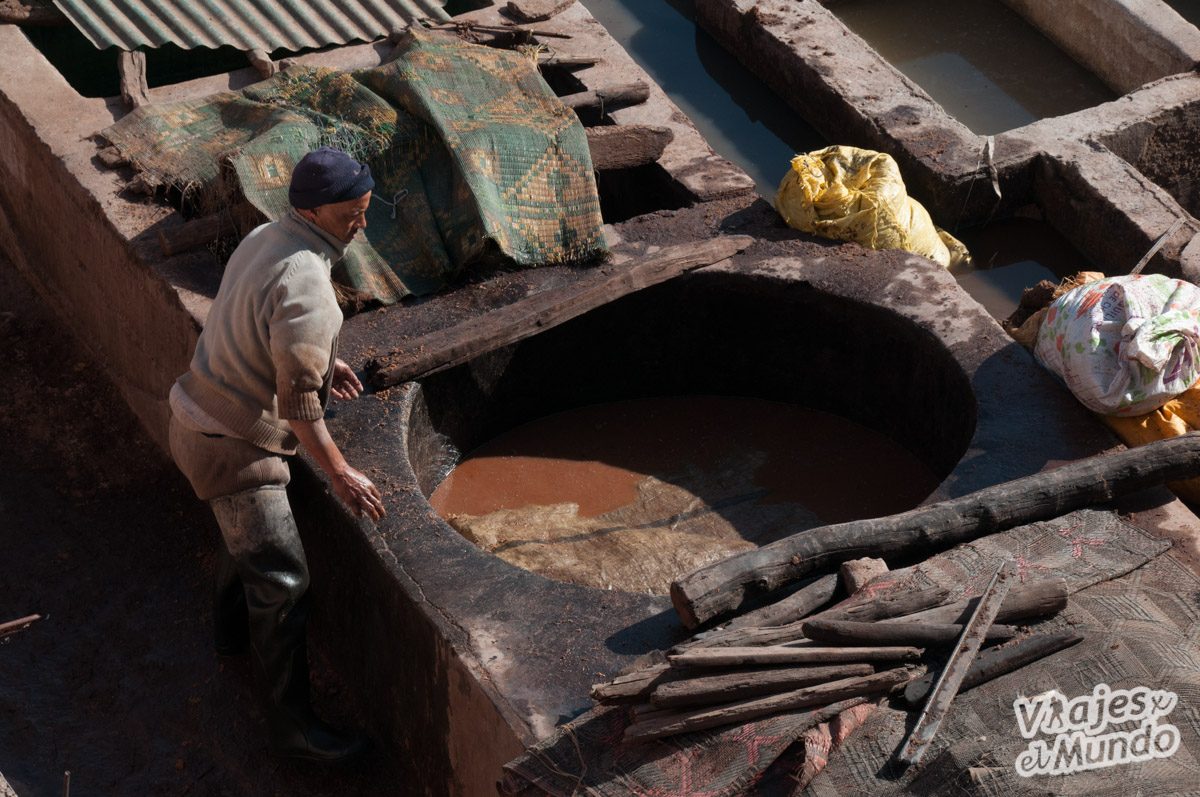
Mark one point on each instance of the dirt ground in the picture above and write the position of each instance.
(100, 535)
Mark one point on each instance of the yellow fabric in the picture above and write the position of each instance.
(858, 195)
(1178, 416)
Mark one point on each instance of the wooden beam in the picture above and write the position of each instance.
(719, 588)
(453, 346)
(134, 89)
(262, 63)
(626, 146)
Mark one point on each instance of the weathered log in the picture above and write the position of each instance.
(194, 234)
(1024, 601)
(849, 632)
(535, 10)
(134, 89)
(735, 686)
(635, 686)
(111, 157)
(896, 603)
(797, 606)
(449, 347)
(736, 657)
(719, 588)
(626, 146)
(994, 662)
(608, 98)
(746, 710)
(857, 572)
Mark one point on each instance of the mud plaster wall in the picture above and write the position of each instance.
(60, 239)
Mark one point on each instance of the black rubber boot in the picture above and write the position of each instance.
(231, 622)
(263, 541)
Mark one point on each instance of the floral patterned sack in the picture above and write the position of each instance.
(1124, 345)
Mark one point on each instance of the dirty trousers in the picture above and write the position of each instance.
(262, 574)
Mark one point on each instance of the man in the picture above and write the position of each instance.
(257, 388)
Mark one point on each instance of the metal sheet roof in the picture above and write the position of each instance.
(245, 24)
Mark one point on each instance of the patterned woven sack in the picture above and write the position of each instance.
(1124, 345)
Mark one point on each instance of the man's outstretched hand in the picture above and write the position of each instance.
(345, 383)
(358, 493)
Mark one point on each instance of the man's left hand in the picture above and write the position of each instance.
(345, 384)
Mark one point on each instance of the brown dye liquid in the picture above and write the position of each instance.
(596, 456)
(632, 494)
(1011, 255)
(979, 60)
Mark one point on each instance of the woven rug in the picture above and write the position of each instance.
(472, 153)
(587, 756)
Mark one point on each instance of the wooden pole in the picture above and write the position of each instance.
(735, 686)
(131, 65)
(819, 695)
(719, 588)
(20, 624)
(453, 346)
(736, 657)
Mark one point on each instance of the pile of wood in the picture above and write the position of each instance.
(787, 657)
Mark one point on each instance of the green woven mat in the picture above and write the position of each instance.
(471, 151)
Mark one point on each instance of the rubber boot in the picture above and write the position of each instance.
(262, 539)
(231, 622)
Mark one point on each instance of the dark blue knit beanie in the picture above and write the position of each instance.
(327, 175)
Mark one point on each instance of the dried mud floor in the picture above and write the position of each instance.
(99, 533)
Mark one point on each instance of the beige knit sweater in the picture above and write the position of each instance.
(267, 350)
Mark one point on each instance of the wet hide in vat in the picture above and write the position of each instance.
(640, 547)
(858, 195)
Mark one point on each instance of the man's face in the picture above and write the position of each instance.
(342, 220)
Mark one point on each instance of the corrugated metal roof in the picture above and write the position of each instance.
(245, 24)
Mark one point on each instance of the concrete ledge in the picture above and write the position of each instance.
(1126, 43)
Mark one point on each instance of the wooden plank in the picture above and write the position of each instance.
(453, 346)
(635, 686)
(734, 686)
(736, 657)
(945, 688)
(849, 632)
(719, 588)
(819, 695)
(626, 146)
(994, 662)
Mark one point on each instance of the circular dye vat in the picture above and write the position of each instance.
(632, 494)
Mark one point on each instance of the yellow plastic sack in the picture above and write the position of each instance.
(1178, 416)
(852, 194)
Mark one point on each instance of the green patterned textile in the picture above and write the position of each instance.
(471, 151)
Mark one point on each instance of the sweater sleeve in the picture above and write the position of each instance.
(305, 320)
